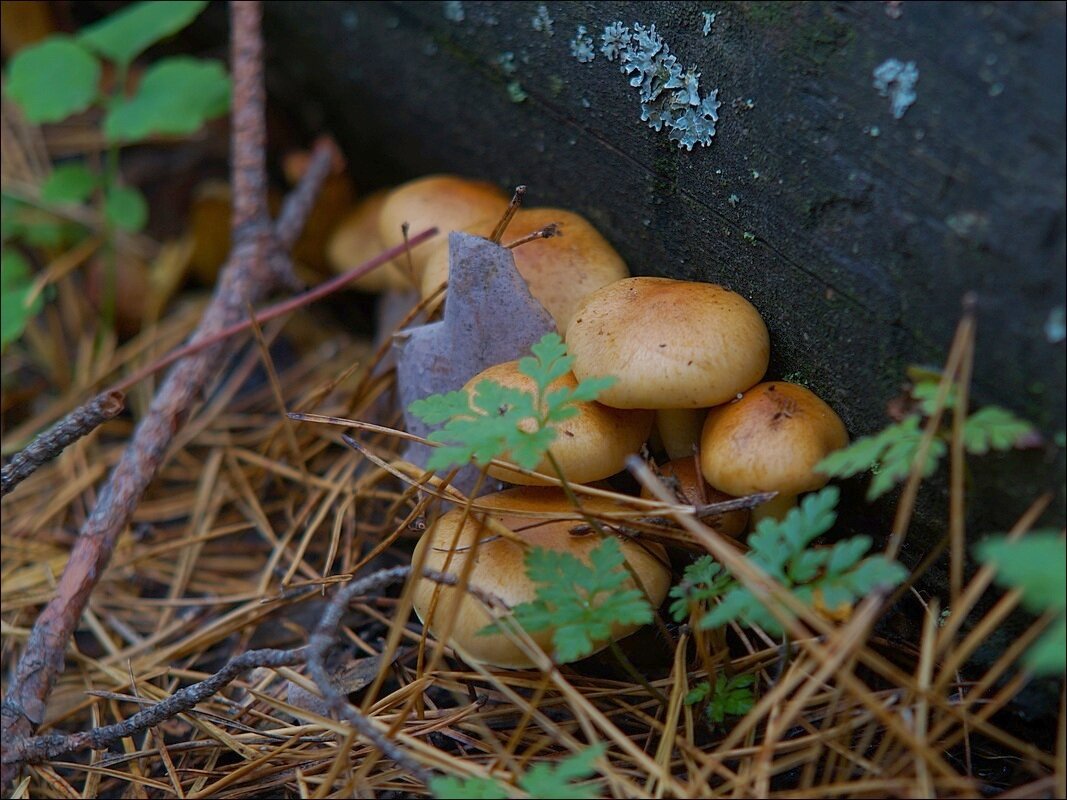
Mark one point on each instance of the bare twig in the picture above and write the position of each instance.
(46, 446)
(249, 137)
(547, 232)
(79, 418)
(513, 207)
(42, 748)
(298, 203)
(247, 277)
(277, 310)
(323, 639)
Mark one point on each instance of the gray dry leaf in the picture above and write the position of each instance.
(490, 317)
(352, 678)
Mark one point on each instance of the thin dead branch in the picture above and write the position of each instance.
(55, 440)
(247, 277)
(42, 748)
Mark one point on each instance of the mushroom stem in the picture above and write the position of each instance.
(775, 508)
(679, 430)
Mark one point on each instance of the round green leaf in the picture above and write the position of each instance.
(176, 97)
(16, 283)
(126, 34)
(1047, 656)
(53, 79)
(68, 183)
(10, 225)
(126, 208)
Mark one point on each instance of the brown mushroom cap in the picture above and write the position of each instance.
(683, 471)
(356, 240)
(770, 441)
(499, 568)
(449, 202)
(671, 344)
(560, 271)
(589, 446)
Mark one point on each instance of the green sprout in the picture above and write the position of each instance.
(891, 452)
(558, 780)
(502, 422)
(733, 697)
(579, 602)
(835, 575)
(1036, 565)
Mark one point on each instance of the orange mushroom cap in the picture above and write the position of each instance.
(499, 568)
(560, 271)
(449, 202)
(591, 445)
(770, 441)
(355, 240)
(670, 344)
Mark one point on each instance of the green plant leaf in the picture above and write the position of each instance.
(703, 581)
(993, 428)
(860, 456)
(448, 787)
(438, 408)
(733, 697)
(579, 601)
(16, 284)
(556, 780)
(502, 422)
(925, 393)
(590, 388)
(549, 361)
(124, 35)
(53, 79)
(698, 693)
(126, 208)
(782, 549)
(775, 542)
(739, 604)
(10, 212)
(45, 231)
(1036, 564)
(175, 97)
(69, 183)
(889, 453)
(1046, 656)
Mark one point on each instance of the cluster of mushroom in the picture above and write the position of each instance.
(558, 272)
(697, 352)
(688, 359)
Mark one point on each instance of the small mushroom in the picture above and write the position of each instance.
(499, 568)
(589, 446)
(770, 441)
(356, 240)
(670, 344)
(692, 489)
(560, 270)
(449, 202)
